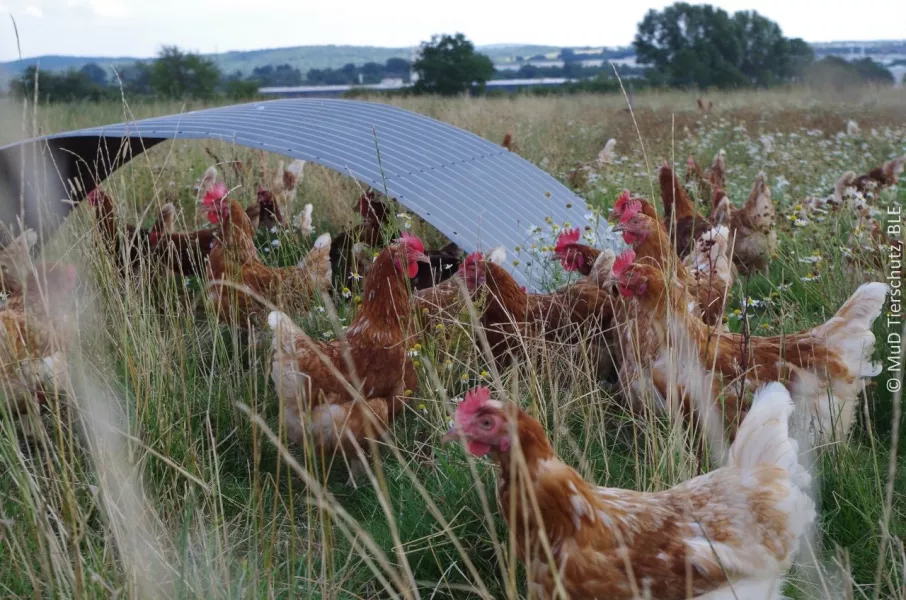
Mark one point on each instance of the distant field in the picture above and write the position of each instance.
(220, 514)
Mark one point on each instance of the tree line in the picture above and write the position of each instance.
(176, 74)
(682, 46)
(701, 46)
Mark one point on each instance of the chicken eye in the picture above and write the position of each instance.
(486, 423)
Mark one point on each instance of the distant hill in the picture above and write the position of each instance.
(320, 57)
(301, 57)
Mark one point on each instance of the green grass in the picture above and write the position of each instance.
(217, 510)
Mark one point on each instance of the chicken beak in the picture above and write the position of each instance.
(422, 257)
(451, 436)
(617, 228)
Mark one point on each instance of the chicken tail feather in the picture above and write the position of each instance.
(317, 261)
(285, 332)
(849, 331)
(764, 439)
(763, 436)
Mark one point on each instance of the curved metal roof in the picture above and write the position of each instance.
(472, 190)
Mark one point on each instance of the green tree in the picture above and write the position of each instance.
(95, 73)
(449, 65)
(68, 86)
(398, 67)
(691, 45)
(768, 58)
(136, 79)
(372, 72)
(704, 46)
(240, 89)
(178, 74)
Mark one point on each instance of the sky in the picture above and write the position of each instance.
(139, 27)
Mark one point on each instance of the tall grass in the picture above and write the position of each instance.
(164, 472)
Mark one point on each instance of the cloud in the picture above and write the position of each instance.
(102, 8)
(34, 11)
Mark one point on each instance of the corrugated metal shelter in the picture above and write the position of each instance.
(474, 191)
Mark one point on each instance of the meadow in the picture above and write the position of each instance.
(170, 476)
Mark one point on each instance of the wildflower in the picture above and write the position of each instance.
(548, 220)
(357, 299)
(518, 248)
(800, 222)
(416, 363)
(275, 243)
(423, 408)
(440, 327)
(448, 364)
(464, 377)
(346, 292)
(320, 309)
(589, 216)
(273, 229)
(355, 276)
(515, 262)
(407, 392)
(748, 301)
(814, 258)
(266, 250)
(810, 277)
(764, 326)
(534, 230)
(484, 374)
(565, 224)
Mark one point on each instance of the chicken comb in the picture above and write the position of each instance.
(95, 196)
(566, 237)
(632, 208)
(474, 258)
(215, 193)
(412, 242)
(364, 204)
(690, 163)
(623, 261)
(474, 400)
(622, 201)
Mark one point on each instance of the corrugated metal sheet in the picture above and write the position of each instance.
(474, 191)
